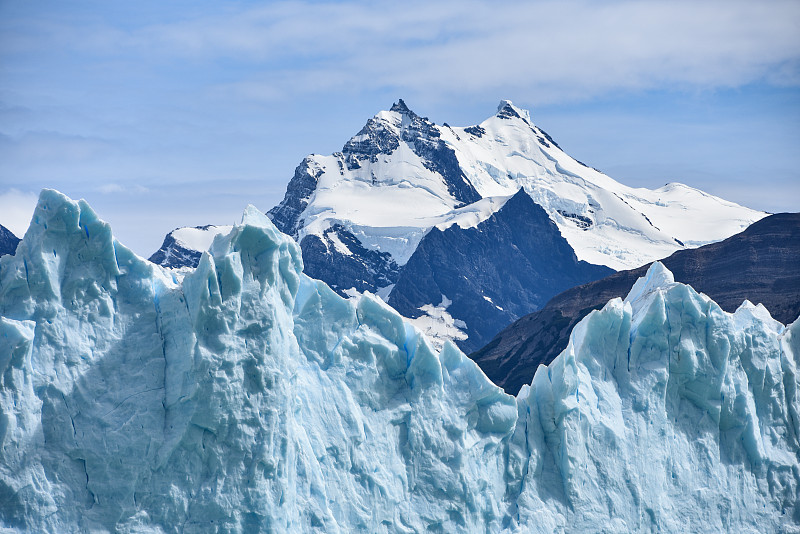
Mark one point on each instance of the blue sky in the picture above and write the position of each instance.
(163, 114)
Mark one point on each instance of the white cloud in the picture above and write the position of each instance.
(114, 188)
(556, 50)
(559, 50)
(16, 210)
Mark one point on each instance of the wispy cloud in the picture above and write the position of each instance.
(556, 50)
(114, 188)
(45, 146)
(570, 49)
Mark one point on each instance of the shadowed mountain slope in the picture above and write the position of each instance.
(509, 265)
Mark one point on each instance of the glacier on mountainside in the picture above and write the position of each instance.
(249, 397)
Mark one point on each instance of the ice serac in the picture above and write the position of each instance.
(250, 397)
(666, 413)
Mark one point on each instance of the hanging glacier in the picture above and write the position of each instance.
(247, 396)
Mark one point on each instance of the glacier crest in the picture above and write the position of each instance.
(248, 396)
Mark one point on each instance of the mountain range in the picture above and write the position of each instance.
(370, 218)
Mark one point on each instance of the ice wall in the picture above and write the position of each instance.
(250, 397)
(665, 413)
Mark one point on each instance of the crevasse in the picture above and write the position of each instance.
(249, 397)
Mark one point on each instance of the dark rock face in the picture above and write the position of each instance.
(581, 221)
(759, 264)
(8, 241)
(173, 255)
(508, 265)
(373, 139)
(477, 131)
(538, 131)
(364, 269)
(286, 215)
(508, 112)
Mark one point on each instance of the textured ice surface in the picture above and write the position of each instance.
(250, 397)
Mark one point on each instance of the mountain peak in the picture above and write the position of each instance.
(507, 110)
(401, 107)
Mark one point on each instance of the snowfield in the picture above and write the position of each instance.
(250, 397)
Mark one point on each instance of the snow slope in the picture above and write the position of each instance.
(250, 397)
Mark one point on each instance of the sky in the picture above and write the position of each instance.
(168, 114)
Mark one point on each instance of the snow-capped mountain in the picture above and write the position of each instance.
(8, 241)
(247, 396)
(402, 175)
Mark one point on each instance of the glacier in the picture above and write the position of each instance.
(247, 396)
